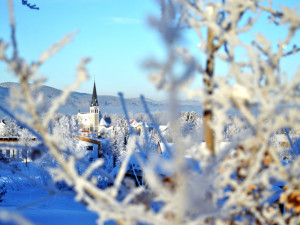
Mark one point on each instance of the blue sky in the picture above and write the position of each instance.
(114, 33)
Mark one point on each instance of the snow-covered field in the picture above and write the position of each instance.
(34, 203)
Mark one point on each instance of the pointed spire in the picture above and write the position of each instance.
(94, 101)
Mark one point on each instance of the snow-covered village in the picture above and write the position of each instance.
(149, 112)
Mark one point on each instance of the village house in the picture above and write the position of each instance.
(138, 126)
(92, 147)
(10, 149)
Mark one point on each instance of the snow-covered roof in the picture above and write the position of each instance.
(164, 151)
(134, 123)
(145, 124)
(103, 123)
(110, 129)
(163, 128)
(84, 118)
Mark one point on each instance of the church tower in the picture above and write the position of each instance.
(94, 111)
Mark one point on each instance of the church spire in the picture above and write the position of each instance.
(94, 101)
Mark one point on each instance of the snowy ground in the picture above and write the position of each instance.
(58, 209)
(35, 204)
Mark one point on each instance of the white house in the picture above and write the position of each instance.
(10, 149)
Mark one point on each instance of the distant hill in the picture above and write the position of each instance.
(81, 101)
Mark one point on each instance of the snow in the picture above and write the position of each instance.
(134, 123)
(2, 127)
(252, 81)
(163, 128)
(163, 147)
(147, 125)
(33, 202)
(171, 147)
(59, 209)
(240, 92)
(281, 138)
(38, 206)
(103, 123)
(82, 152)
(84, 118)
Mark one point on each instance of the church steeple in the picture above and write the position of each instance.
(94, 101)
(94, 111)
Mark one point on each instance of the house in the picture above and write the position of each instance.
(134, 123)
(145, 125)
(84, 133)
(92, 147)
(138, 126)
(11, 150)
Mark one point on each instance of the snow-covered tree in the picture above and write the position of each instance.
(253, 84)
(228, 188)
(11, 129)
(65, 128)
(27, 140)
(119, 139)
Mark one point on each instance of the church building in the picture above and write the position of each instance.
(89, 122)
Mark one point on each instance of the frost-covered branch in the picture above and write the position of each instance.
(197, 183)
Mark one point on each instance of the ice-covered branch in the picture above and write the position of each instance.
(236, 180)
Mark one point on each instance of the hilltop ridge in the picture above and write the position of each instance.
(81, 101)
